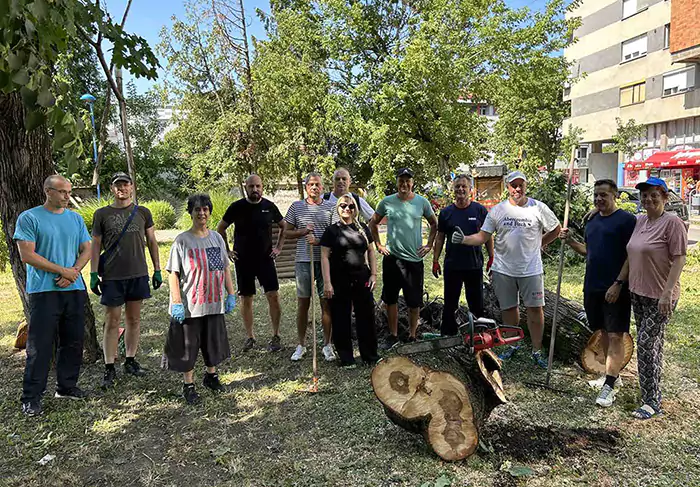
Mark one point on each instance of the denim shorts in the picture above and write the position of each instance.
(303, 278)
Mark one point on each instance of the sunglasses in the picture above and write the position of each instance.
(346, 205)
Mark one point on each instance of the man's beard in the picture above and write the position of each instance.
(254, 196)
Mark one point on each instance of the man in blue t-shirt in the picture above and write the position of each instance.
(463, 265)
(55, 245)
(606, 296)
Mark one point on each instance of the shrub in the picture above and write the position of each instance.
(163, 214)
(89, 207)
(221, 201)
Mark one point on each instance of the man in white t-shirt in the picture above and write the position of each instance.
(522, 226)
(341, 186)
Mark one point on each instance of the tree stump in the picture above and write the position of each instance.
(444, 395)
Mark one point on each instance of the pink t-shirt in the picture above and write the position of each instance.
(651, 252)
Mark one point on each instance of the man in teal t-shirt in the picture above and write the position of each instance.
(402, 266)
(55, 245)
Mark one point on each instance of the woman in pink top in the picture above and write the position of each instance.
(656, 256)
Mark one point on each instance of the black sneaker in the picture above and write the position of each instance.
(72, 393)
(211, 381)
(391, 340)
(249, 343)
(109, 378)
(132, 367)
(31, 408)
(190, 394)
(275, 344)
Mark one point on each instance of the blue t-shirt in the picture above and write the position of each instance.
(404, 234)
(469, 219)
(606, 248)
(57, 238)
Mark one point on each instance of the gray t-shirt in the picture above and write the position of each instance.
(202, 264)
(300, 214)
(128, 259)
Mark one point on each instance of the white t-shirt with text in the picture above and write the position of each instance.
(518, 236)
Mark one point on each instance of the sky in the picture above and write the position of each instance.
(147, 18)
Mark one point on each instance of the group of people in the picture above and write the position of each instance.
(629, 260)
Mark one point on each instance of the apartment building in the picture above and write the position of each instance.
(637, 59)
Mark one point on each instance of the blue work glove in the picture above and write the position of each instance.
(177, 311)
(230, 303)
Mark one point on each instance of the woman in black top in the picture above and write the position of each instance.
(348, 282)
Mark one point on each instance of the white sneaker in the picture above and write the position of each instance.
(328, 353)
(606, 396)
(298, 353)
(598, 383)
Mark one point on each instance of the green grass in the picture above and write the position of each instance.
(264, 432)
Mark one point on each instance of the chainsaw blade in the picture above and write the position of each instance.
(423, 346)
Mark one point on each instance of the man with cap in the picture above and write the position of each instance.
(254, 255)
(522, 226)
(341, 186)
(119, 272)
(402, 267)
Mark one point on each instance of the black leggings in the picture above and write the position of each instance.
(349, 295)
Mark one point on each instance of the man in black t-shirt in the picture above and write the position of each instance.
(463, 264)
(254, 255)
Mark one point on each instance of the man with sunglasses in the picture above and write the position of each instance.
(463, 265)
(402, 266)
(54, 244)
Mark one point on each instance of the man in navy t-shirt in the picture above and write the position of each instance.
(463, 264)
(606, 296)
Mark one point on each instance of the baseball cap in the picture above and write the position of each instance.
(404, 171)
(512, 176)
(121, 176)
(651, 182)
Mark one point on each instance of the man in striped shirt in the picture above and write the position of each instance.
(307, 219)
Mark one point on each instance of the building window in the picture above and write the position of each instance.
(679, 81)
(634, 48)
(667, 36)
(629, 8)
(632, 94)
(483, 110)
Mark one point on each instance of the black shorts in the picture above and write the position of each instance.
(610, 317)
(262, 268)
(184, 341)
(399, 274)
(116, 293)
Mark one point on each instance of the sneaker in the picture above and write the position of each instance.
(72, 393)
(298, 353)
(391, 340)
(31, 408)
(212, 382)
(109, 378)
(598, 383)
(132, 367)
(606, 396)
(411, 340)
(249, 344)
(539, 359)
(509, 352)
(275, 344)
(190, 394)
(328, 353)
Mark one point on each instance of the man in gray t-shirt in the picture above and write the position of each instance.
(121, 279)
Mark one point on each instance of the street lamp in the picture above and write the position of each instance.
(90, 100)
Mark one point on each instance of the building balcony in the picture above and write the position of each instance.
(689, 55)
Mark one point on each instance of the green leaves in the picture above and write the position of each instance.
(33, 119)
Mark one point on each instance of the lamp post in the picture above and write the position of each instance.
(90, 100)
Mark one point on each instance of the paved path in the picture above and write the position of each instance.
(694, 234)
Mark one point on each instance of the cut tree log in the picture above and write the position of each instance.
(444, 395)
(593, 358)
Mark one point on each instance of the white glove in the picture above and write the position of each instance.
(457, 236)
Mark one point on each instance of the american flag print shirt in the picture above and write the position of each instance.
(202, 264)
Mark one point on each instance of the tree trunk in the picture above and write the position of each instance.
(125, 133)
(25, 161)
(445, 395)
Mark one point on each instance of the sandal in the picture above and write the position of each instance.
(646, 412)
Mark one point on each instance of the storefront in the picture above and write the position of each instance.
(680, 169)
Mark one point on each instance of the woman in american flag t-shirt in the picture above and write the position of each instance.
(201, 291)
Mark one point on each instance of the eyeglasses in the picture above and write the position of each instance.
(64, 192)
(345, 205)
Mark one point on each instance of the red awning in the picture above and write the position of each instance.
(681, 158)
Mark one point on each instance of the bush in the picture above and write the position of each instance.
(89, 207)
(163, 214)
(221, 201)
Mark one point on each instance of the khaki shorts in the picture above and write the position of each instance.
(507, 288)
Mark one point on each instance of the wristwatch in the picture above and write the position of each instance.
(620, 282)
